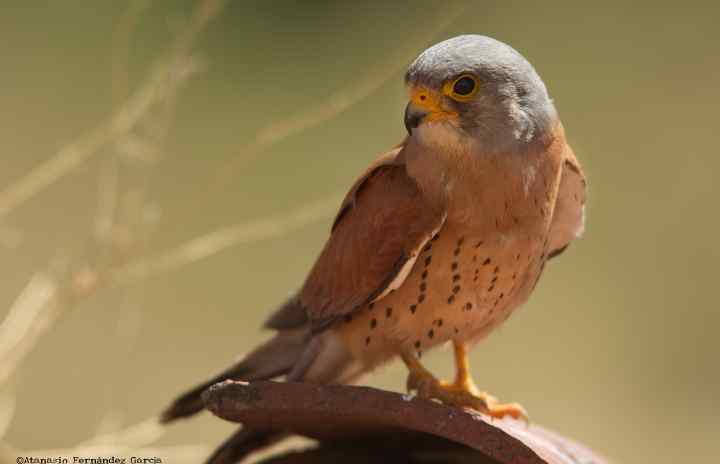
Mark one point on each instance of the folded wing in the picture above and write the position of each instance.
(380, 229)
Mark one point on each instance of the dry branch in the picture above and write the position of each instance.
(162, 83)
(48, 294)
(31, 315)
(74, 154)
(334, 104)
(204, 246)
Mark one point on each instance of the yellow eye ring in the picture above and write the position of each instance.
(463, 88)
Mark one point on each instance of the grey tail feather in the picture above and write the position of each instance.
(288, 316)
(272, 359)
(246, 441)
(289, 353)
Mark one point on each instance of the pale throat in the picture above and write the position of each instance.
(444, 137)
(456, 168)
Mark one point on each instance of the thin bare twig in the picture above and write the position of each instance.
(31, 315)
(7, 412)
(38, 305)
(163, 82)
(210, 244)
(141, 434)
(336, 103)
(46, 296)
(37, 308)
(122, 33)
(84, 148)
(109, 176)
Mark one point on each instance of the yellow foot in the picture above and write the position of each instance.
(462, 396)
(462, 393)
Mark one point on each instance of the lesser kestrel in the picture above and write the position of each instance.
(439, 241)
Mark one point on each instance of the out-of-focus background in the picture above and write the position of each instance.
(169, 170)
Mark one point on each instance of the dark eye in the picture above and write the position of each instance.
(463, 88)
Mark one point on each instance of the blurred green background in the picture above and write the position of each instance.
(618, 347)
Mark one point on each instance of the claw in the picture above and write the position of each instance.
(420, 382)
(461, 393)
(412, 383)
(514, 410)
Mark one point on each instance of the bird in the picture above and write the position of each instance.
(436, 243)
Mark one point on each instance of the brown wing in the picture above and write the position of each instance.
(568, 220)
(378, 233)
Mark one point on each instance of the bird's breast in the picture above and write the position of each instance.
(463, 284)
(483, 263)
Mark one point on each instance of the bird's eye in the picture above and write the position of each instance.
(463, 88)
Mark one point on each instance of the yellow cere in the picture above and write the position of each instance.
(431, 101)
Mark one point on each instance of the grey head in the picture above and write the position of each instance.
(477, 88)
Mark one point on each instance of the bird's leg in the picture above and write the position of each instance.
(464, 383)
(419, 379)
(462, 392)
(463, 378)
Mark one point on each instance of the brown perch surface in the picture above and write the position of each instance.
(386, 420)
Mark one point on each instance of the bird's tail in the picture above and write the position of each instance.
(272, 359)
(289, 353)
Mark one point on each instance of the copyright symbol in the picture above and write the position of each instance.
(19, 460)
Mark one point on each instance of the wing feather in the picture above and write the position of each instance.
(378, 233)
(568, 221)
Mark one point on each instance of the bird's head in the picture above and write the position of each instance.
(473, 89)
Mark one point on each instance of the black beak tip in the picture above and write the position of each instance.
(413, 118)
